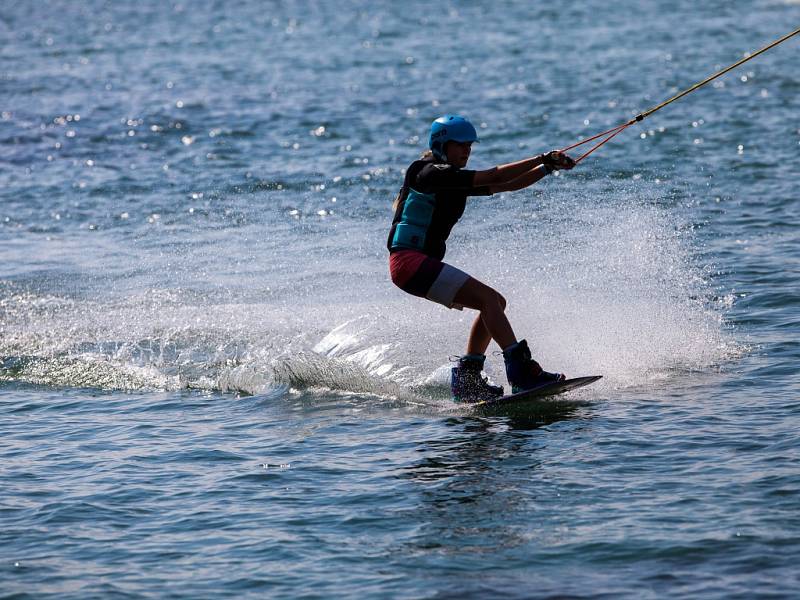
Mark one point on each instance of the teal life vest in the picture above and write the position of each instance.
(411, 230)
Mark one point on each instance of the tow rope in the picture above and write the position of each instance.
(614, 131)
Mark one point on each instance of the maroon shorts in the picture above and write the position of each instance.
(427, 277)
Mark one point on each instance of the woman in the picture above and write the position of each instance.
(430, 202)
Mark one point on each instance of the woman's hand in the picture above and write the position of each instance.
(558, 160)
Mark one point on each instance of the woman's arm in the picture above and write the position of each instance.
(522, 181)
(521, 174)
(507, 172)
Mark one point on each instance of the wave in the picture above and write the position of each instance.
(610, 285)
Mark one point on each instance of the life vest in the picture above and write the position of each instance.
(416, 214)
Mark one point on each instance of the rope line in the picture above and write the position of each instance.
(641, 116)
(608, 139)
(717, 74)
(594, 137)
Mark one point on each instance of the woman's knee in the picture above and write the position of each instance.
(501, 299)
(493, 300)
(480, 296)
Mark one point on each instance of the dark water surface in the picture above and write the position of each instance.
(210, 388)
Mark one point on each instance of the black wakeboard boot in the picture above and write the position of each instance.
(523, 372)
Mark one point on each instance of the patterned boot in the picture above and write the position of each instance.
(467, 384)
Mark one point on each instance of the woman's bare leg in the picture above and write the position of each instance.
(491, 323)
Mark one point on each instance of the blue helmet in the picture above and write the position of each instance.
(450, 128)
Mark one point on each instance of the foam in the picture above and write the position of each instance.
(609, 285)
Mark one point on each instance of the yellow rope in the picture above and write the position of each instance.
(619, 128)
(715, 75)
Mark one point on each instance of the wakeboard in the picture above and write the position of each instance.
(544, 391)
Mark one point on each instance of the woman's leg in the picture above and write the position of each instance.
(491, 323)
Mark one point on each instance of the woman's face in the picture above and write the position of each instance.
(458, 153)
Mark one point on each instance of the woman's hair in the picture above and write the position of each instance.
(427, 153)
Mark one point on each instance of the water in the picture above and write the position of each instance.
(210, 387)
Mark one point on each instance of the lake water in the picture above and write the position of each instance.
(210, 387)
